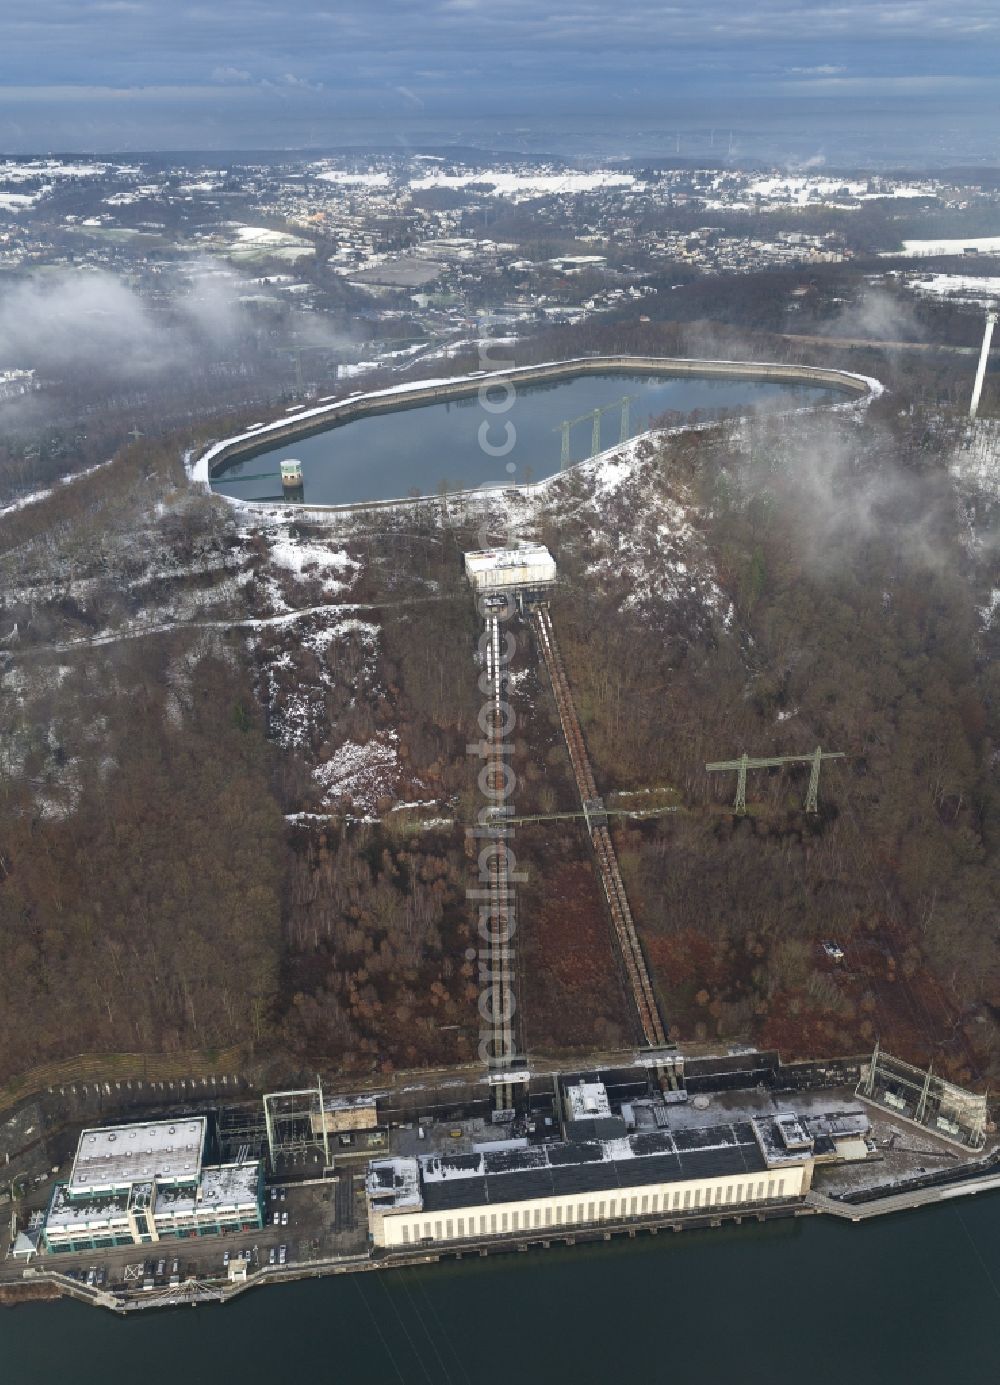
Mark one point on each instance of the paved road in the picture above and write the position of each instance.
(138, 632)
(867, 342)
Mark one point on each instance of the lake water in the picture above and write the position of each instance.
(911, 1298)
(420, 450)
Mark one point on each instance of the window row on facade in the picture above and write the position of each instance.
(556, 1214)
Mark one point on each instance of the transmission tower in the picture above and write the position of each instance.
(595, 416)
(746, 762)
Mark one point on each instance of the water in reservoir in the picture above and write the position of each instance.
(912, 1298)
(429, 447)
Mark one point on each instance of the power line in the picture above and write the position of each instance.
(378, 1329)
(427, 1334)
(406, 1332)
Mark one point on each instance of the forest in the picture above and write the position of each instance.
(767, 586)
(854, 625)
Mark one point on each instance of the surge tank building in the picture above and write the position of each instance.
(507, 569)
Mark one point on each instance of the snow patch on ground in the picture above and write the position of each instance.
(646, 541)
(38, 495)
(361, 773)
(342, 658)
(975, 463)
(319, 672)
(988, 612)
(313, 559)
(319, 641)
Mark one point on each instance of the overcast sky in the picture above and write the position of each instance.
(273, 73)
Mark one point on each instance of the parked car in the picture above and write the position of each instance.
(282, 1250)
(284, 1219)
(225, 1259)
(271, 1256)
(276, 1218)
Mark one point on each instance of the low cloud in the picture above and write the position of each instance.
(877, 316)
(823, 70)
(230, 74)
(840, 488)
(89, 324)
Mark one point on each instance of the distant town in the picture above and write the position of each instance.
(346, 265)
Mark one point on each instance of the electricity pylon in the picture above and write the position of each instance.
(746, 762)
(595, 416)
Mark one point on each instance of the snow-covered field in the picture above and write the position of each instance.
(506, 184)
(17, 201)
(806, 190)
(261, 235)
(47, 173)
(27, 170)
(346, 178)
(253, 242)
(803, 191)
(985, 245)
(959, 288)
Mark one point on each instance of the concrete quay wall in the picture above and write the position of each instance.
(814, 1203)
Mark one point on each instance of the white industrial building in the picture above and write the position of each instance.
(113, 1158)
(136, 1184)
(509, 569)
(516, 1188)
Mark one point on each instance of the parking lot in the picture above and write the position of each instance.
(303, 1223)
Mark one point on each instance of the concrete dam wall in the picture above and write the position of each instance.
(318, 419)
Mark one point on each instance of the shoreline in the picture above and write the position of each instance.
(50, 1285)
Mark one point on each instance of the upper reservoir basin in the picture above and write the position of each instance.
(463, 443)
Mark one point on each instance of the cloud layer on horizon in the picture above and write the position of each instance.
(240, 67)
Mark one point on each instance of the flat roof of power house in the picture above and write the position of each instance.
(118, 1156)
(460, 1180)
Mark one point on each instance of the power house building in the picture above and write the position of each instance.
(513, 1188)
(139, 1184)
